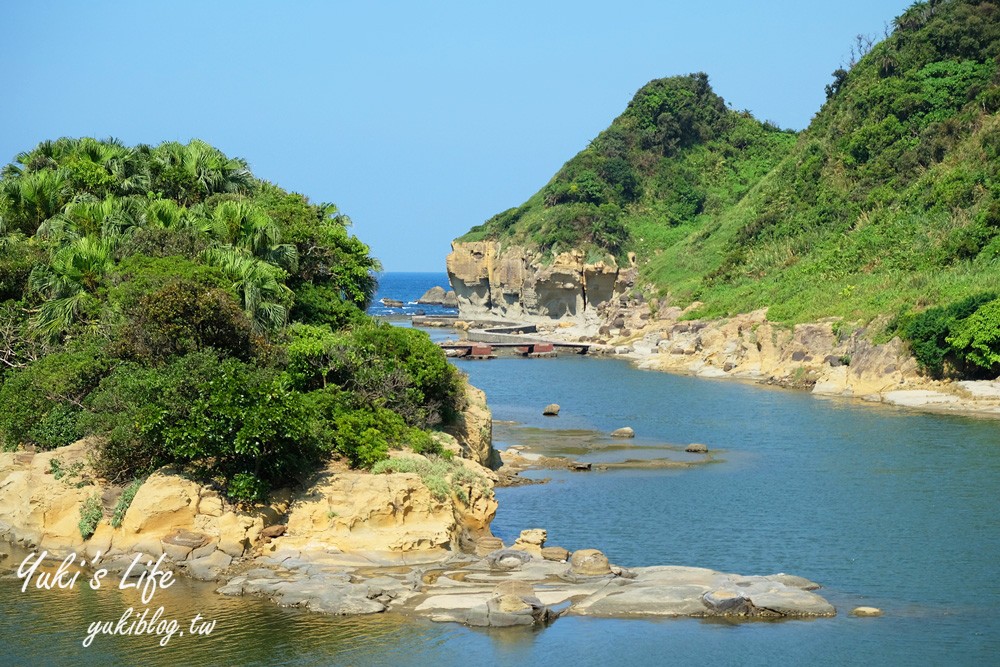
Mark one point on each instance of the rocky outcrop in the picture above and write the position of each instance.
(433, 297)
(473, 430)
(494, 281)
(437, 296)
(355, 511)
(41, 496)
(828, 357)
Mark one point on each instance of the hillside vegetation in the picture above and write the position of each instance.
(886, 208)
(183, 311)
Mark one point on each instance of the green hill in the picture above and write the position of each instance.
(887, 204)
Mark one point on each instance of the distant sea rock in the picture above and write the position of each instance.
(436, 296)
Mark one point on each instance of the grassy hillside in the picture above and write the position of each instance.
(184, 312)
(675, 158)
(887, 204)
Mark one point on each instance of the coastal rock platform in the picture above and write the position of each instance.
(499, 590)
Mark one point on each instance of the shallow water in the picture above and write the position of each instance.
(882, 506)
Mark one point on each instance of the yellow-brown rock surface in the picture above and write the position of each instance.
(492, 280)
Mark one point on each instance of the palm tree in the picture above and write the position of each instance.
(192, 172)
(69, 281)
(251, 230)
(111, 219)
(260, 285)
(29, 199)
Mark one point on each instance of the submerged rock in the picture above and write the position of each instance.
(696, 448)
(866, 611)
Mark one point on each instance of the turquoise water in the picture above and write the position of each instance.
(882, 506)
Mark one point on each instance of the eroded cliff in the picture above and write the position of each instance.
(493, 280)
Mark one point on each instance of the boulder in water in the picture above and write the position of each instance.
(433, 297)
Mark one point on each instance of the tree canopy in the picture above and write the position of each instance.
(159, 298)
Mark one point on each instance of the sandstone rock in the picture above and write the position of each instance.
(557, 554)
(551, 410)
(38, 509)
(794, 581)
(164, 502)
(450, 299)
(866, 611)
(176, 552)
(209, 567)
(358, 511)
(391, 303)
(729, 603)
(488, 544)
(589, 563)
(276, 530)
(515, 587)
(473, 429)
(492, 280)
(186, 538)
(624, 432)
(531, 541)
(696, 448)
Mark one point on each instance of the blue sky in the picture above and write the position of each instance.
(419, 120)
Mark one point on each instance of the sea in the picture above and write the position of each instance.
(882, 506)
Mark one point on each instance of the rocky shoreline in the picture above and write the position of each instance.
(825, 358)
(353, 542)
(571, 300)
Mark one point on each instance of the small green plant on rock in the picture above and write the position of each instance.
(124, 502)
(91, 513)
(57, 470)
(440, 476)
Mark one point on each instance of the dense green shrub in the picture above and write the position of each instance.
(928, 332)
(222, 418)
(41, 402)
(976, 339)
(183, 317)
(362, 433)
(323, 305)
(396, 368)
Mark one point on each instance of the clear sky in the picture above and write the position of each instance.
(418, 119)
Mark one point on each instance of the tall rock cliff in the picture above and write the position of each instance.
(494, 280)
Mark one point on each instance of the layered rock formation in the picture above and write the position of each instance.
(492, 280)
